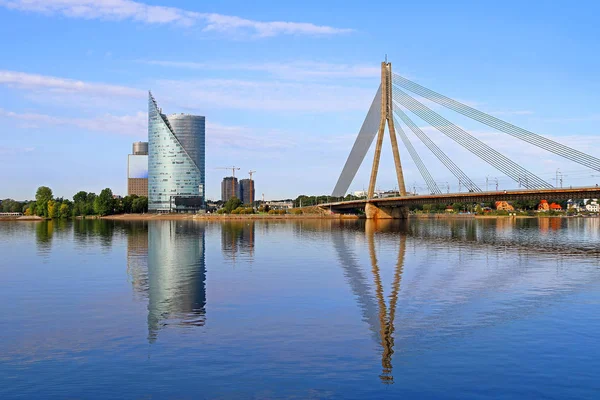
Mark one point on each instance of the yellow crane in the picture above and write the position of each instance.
(233, 169)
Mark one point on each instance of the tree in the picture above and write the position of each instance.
(232, 204)
(52, 208)
(140, 205)
(42, 196)
(89, 204)
(127, 203)
(104, 203)
(65, 209)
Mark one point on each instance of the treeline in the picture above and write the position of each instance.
(83, 204)
(235, 206)
(307, 201)
(522, 205)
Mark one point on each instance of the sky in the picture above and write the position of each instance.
(285, 86)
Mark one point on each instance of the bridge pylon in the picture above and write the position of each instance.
(387, 116)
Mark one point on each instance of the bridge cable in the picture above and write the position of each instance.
(474, 145)
(503, 126)
(444, 159)
(433, 188)
(466, 140)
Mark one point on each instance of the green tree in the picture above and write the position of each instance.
(232, 204)
(52, 209)
(127, 203)
(79, 203)
(42, 196)
(66, 209)
(139, 205)
(104, 203)
(89, 204)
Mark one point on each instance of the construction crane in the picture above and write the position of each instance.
(251, 188)
(233, 169)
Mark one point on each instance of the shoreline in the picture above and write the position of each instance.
(261, 217)
(224, 217)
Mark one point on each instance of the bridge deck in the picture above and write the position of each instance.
(472, 197)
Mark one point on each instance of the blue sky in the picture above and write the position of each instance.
(284, 86)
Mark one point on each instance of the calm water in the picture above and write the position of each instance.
(306, 309)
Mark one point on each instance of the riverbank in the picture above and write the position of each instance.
(22, 218)
(224, 217)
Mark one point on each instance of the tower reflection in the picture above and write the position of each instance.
(176, 275)
(237, 238)
(386, 314)
(376, 313)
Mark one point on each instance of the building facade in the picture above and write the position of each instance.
(246, 191)
(137, 170)
(176, 163)
(229, 188)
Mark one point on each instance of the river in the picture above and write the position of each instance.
(444, 309)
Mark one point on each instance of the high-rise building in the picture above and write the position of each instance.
(246, 191)
(137, 170)
(176, 169)
(229, 188)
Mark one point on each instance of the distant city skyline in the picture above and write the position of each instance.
(284, 88)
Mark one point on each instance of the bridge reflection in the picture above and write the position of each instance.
(386, 316)
(456, 268)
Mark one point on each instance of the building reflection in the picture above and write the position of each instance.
(237, 239)
(166, 267)
(176, 275)
(137, 258)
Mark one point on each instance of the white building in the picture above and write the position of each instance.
(589, 205)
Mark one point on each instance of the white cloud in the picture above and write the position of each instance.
(119, 10)
(588, 118)
(136, 125)
(28, 81)
(231, 137)
(517, 112)
(131, 125)
(15, 150)
(294, 70)
(268, 95)
(265, 95)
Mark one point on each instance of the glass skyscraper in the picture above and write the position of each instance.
(176, 167)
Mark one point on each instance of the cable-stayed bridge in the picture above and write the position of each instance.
(394, 103)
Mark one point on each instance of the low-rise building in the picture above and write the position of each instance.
(592, 205)
(589, 205)
(545, 206)
(504, 206)
(279, 205)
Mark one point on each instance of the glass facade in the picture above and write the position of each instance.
(176, 167)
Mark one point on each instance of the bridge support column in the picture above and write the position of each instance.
(374, 212)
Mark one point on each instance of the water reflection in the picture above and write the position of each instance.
(464, 275)
(176, 275)
(137, 258)
(386, 318)
(237, 239)
(87, 231)
(44, 230)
